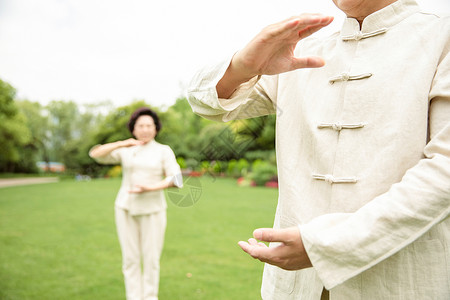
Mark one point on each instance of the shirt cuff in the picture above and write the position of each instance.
(176, 180)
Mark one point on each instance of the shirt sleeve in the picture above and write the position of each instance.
(172, 170)
(113, 158)
(252, 99)
(341, 246)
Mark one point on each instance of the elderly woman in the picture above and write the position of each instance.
(140, 208)
(363, 150)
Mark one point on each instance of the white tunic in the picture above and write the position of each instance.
(143, 165)
(363, 149)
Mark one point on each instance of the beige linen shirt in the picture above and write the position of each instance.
(363, 149)
(144, 165)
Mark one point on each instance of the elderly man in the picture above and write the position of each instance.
(363, 149)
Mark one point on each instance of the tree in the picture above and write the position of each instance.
(182, 130)
(86, 127)
(14, 133)
(37, 122)
(62, 126)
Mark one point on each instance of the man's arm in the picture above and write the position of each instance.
(234, 89)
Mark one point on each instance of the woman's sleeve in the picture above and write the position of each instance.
(172, 170)
(341, 246)
(254, 98)
(113, 158)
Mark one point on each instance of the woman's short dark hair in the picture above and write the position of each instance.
(143, 111)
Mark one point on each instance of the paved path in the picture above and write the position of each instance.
(5, 182)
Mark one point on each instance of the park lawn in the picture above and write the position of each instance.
(58, 241)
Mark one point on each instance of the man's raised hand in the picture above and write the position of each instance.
(272, 52)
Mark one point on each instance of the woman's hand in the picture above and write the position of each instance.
(130, 142)
(163, 184)
(106, 149)
(138, 189)
(272, 52)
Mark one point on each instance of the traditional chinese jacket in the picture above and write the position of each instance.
(363, 153)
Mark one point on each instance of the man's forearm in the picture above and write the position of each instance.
(231, 80)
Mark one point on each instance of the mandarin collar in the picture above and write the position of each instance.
(148, 145)
(382, 19)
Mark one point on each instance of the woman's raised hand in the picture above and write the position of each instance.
(272, 52)
(130, 142)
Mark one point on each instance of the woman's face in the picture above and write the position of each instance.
(144, 129)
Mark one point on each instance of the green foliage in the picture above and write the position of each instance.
(267, 155)
(219, 166)
(114, 172)
(37, 123)
(254, 134)
(237, 168)
(62, 125)
(205, 166)
(217, 142)
(262, 171)
(14, 134)
(192, 164)
(181, 162)
(181, 128)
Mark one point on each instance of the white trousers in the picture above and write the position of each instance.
(141, 239)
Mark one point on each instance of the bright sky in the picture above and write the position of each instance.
(94, 50)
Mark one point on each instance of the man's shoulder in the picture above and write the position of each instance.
(431, 19)
(435, 26)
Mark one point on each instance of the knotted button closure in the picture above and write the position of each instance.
(338, 126)
(360, 35)
(347, 77)
(331, 179)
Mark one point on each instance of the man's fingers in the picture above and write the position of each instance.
(252, 241)
(298, 23)
(307, 62)
(306, 20)
(309, 30)
(261, 252)
(276, 235)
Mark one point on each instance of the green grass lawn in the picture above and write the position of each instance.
(58, 241)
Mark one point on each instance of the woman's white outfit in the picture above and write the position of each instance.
(141, 218)
(363, 149)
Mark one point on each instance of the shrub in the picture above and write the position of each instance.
(219, 167)
(181, 162)
(242, 166)
(114, 172)
(192, 164)
(267, 155)
(232, 169)
(237, 168)
(205, 166)
(262, 172)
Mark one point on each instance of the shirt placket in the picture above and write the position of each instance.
(345, 78)
(131, 183)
